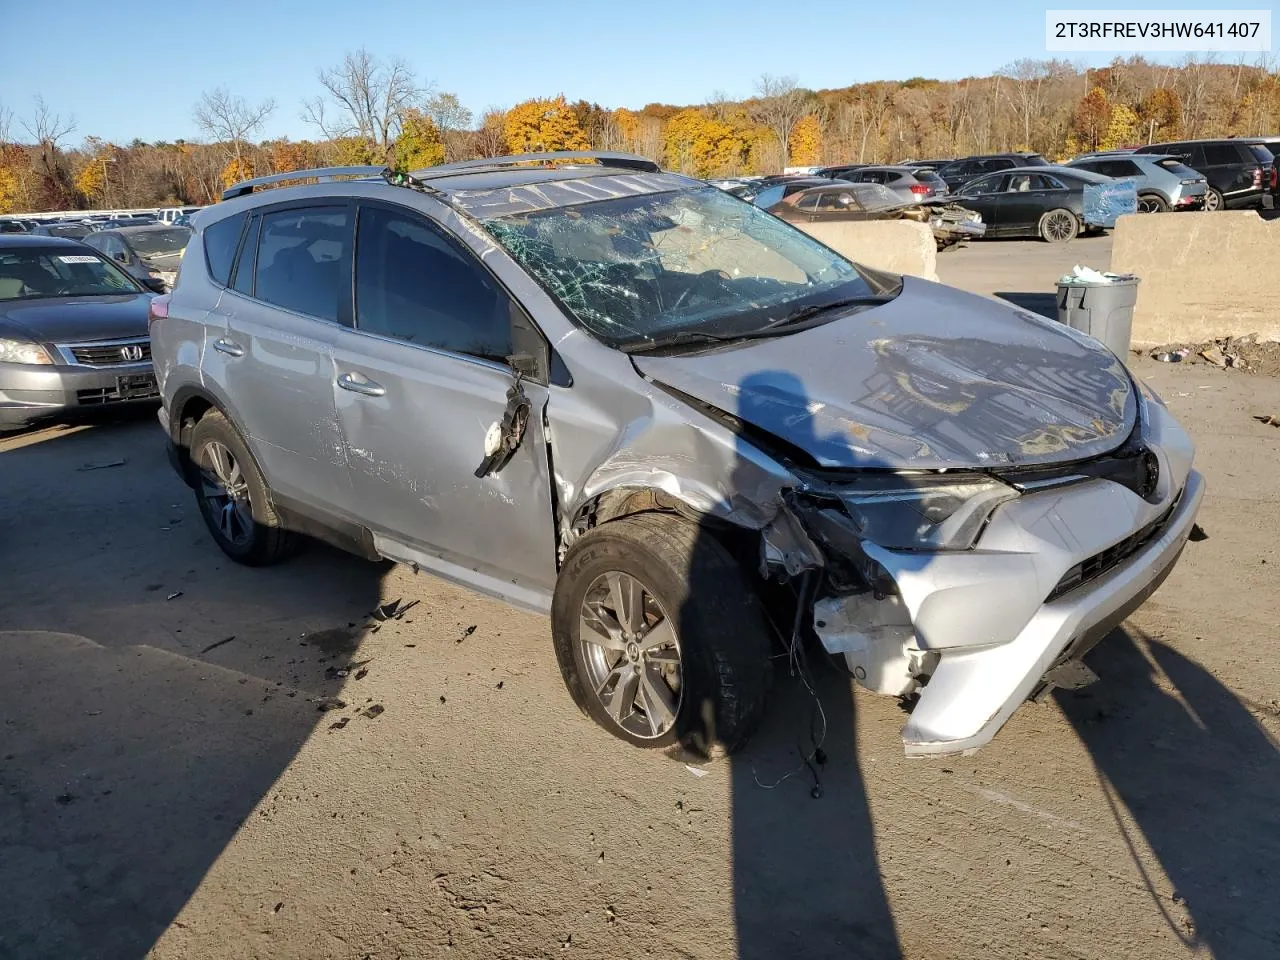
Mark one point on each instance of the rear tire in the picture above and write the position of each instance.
(706, 687)
(232, 496)
(1059, 226)
(1152, 203)
(1213, 200)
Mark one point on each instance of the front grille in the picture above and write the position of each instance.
(101, 395)
(1095, 566)
(109, 354)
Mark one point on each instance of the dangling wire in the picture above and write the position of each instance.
(815, 757)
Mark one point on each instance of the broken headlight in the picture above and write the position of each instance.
(923, 511)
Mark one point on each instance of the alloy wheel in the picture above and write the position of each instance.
(1148, 205)
(225, 492)
(1058, 226)
(631, 652)
(1212, 201)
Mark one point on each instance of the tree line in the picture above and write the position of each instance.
(373, 110)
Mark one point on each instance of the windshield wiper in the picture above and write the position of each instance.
(675, 340)
(801, 314)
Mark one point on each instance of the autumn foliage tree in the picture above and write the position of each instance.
(537, 125)
(1090, 120)
(419, 144)
(806, 142)
(696, 142)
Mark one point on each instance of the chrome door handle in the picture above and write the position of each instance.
(362, 386)
(223, 345)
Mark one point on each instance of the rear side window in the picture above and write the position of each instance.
(220, 240)
(302, 254)
(1220, 154)
(416, 285)
(1261, 153)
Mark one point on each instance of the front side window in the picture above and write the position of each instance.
(634, 269)
(416, 285)
(301, 254)
(986, 185)
(29, 274)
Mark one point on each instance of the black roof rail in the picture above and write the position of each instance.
(246, 187)
(624, 161)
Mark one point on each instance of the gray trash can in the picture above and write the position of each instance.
(1102, 310)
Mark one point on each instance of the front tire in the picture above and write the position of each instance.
(660, 637)
(1059, 226)
(233, 497)
(1213, 200)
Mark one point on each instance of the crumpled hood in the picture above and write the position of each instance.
(75, 319)
(937, 378)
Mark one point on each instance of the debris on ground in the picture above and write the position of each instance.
(174, 596)
(1249, 353)
(362, 673)
(1197, 534)
(1213, 353)
(336, 673)
(1269, 419)
(339, 724)
(698, 772)
(217, 643)
(373, 712)
(466, 633)
(325, 704)
(105, 465)
(393, 610)
(65, 798)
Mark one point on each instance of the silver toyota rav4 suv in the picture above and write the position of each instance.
(677, 425)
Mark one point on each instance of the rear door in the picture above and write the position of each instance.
(420, 380)
(282, 316)
(1227, 170)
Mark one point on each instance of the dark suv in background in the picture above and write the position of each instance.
(1240, 172)
(959, 172)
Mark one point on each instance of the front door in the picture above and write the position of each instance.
(420, 381)
(984, 196)
(276, 350)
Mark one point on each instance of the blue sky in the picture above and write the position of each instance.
(125, 73)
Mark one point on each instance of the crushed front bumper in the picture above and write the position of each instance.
(974, 690)
(975, 631)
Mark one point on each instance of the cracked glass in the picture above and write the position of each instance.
(633, 269)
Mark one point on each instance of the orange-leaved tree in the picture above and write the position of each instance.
(538, 125)
(806, 142)
(237, 169)
(696, 142)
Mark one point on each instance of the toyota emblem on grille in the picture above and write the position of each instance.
(132, 351)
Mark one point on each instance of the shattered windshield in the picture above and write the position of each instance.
(636, 269)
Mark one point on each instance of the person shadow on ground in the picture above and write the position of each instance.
(806, 880)
(1184, 763)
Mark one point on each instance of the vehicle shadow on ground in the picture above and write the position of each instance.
(806, 879)
(136, 737)
(1199, 776)
(1045, 304)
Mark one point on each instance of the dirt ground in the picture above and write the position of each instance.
(199, 760)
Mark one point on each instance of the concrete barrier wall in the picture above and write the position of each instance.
(899, 246)
(1204, 275)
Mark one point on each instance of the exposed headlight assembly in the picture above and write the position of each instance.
(923, 511)
(22, 351)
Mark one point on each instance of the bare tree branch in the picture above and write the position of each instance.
(46, 127)
(369, 95)
(6, 124)
(780, 108)
(227, 118)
